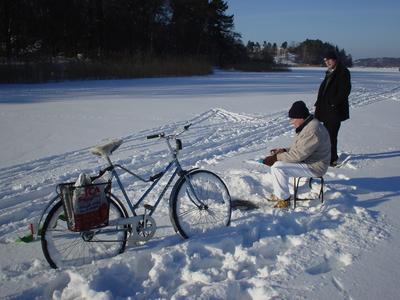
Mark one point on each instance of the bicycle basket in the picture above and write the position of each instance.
(86, 207)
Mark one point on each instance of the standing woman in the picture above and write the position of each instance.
(332, 106)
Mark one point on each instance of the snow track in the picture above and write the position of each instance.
(215, 135)
(257, 257)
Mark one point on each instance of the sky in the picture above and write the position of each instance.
(364, 28)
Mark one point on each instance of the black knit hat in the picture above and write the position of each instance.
(330, 55)
(299, 110)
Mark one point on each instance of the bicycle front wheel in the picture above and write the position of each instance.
(64, 248)
(200, 202)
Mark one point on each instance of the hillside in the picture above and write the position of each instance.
(382, 62)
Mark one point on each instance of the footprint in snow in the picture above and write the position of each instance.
(321, 268)
(341, 260)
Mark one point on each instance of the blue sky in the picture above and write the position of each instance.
(364, 28)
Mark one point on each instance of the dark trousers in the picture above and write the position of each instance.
(333, 129)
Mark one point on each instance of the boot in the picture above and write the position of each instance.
(282, 203)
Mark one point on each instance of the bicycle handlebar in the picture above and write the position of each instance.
(162, 134)
(158, 135)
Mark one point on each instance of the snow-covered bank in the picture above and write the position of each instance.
(331, 251)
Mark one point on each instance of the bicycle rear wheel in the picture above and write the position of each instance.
(65, 248)
(200, 202)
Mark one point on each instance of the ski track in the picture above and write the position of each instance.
(266, 256)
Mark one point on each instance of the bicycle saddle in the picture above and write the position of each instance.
(107, 148)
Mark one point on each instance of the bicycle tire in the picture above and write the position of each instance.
(64, 248)
(190, 220)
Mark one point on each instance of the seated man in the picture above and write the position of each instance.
(309, 155)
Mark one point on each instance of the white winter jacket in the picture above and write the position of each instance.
(311, 146)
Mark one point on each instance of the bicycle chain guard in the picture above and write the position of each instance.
(143, 228)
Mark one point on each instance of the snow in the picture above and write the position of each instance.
(345, 248)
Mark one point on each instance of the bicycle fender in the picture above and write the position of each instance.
(49, 205)
(174, 191)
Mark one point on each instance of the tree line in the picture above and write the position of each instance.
(44, 40)
(308, 52)
(102, 29)
(109, 34)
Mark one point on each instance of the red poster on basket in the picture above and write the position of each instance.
(90, 207)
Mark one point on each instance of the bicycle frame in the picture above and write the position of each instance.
(155, 179)
(174, 163)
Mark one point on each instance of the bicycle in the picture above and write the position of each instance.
(199, 202)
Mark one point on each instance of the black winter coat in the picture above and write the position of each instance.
(333, 100)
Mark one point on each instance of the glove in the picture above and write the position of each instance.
(270, 160)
